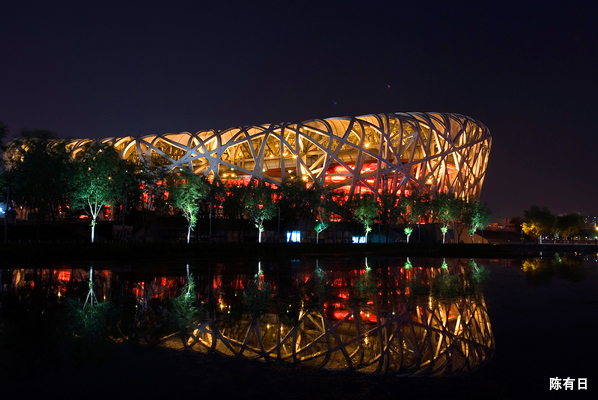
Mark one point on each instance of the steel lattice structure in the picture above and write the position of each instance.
(398, 152)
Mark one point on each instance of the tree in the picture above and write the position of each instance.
(416, 209)
(325, 208)
(234, 202)
(556, 230)
(151, 183)
(390, 207)
(92, 184)
(259, 205)
(365, 211)
(185, 191)
(3, 135)
(533, 229)
(482, 216)
(322, 223)
(538, 221)
(38, 174)
(570, 224)
(516, 222)
(127, 191)
(298, 202)
(420, 206)
(445, 209)
(475, 215)
(4, 190)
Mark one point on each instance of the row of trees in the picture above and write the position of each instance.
(46, 180)
(539, 222)
(260, 202)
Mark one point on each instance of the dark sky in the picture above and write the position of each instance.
(526, 69)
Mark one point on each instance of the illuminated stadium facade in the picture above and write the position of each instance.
(397, 153)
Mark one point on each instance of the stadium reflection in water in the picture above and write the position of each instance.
(396, 317)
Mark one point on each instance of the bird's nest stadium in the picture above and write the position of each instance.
(395, 152)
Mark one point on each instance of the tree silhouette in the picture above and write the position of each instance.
(3, 135)
(391, 208)
(538, 221)
(38, 173)
(569, 225)
(298, 202)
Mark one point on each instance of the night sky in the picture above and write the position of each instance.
(526, 69)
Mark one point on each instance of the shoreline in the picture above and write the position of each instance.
(90, 252)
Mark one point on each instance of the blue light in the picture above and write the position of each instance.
(294, 237)
(358, 239)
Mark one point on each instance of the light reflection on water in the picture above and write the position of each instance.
(417, 317)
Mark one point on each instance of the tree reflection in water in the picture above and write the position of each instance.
(398, 317)
(544, 269)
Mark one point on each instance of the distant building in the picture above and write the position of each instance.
(502, 225)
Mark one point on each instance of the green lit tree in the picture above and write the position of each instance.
(326, 207)
(408, 231)
(415, 209)
(185, 191)
(475, 215)
(556, 231)
(259, 205)
(365, 211)
(92, 184)
(403, 215)
(445, 210)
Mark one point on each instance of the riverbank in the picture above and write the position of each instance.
(90, 252)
